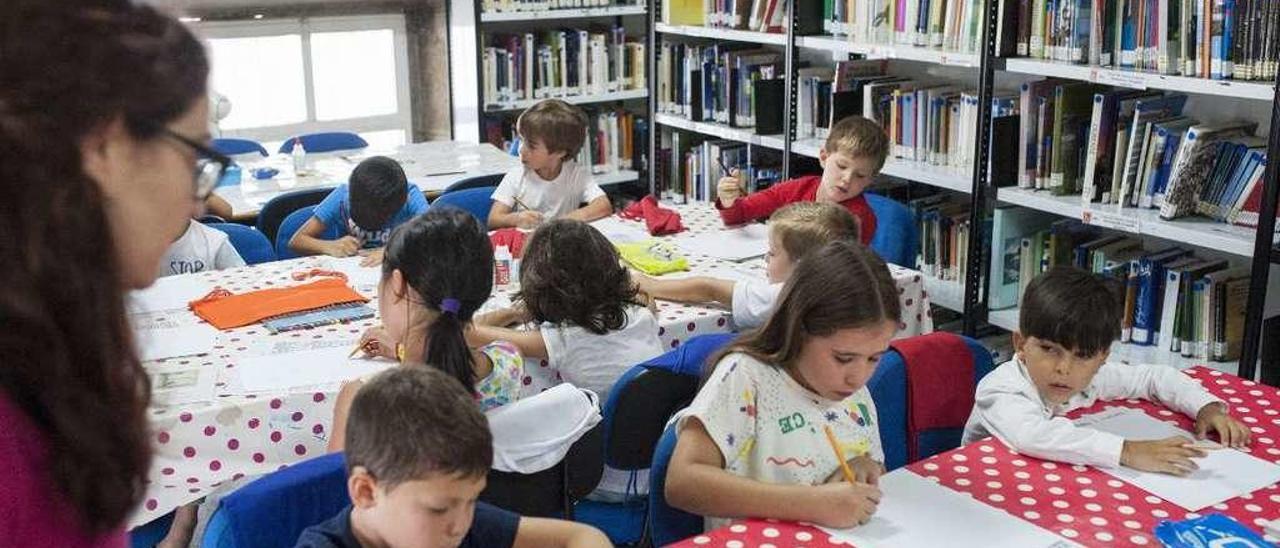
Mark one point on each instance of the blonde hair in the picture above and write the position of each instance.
(803, 227)
(858, 137)
(559, 126)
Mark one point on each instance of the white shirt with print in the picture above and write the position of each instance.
(199, 249)
(555, 198)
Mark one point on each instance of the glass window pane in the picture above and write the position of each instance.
(263, 78)
(354, 73)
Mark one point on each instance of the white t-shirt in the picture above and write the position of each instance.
(554, 198)
(769, 428)
(753, 302)
(199, 249)
(595, 362)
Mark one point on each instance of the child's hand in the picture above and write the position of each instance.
(345, 246)
(1169, 456)
(865, 470)
(841, 505)
(729, 189)
(377, 343)
(372, 258)
(528, 219)
(1213, 417)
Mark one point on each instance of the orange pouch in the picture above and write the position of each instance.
(226, 312)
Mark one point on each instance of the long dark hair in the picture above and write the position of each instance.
(842, 285)
(571, 275)
(445, 254)
(66, 352)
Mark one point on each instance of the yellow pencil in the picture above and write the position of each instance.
(520, 203)
(835, 446)
(354, 350)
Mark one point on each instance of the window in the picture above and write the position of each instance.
(294, 76)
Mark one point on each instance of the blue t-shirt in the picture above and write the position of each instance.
(335, 213)
(492, 527)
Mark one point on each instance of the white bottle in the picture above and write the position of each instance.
(299, 157)
(502, 266)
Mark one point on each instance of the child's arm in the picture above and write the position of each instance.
(1176, 391)
(751, 207)
(341, 409)
(218, 206)
(697, 289)
(529, 343)
(306, 241)
(698, 483)
(539, 532)
(503, 317)
(501, 216)
(1022, 424)
(597, 208)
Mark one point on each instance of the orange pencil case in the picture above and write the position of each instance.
(225, 311)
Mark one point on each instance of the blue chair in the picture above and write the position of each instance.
(475, 201)
(236, 147)
(691, 357)
(276, 209)
(667, 525)
(897, 237)
(151, 533)
(252, 246)
(325, 142)
(478, 181)
(291, 225)
(273, 510)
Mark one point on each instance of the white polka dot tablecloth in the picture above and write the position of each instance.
(200, 446)
(1079, 503)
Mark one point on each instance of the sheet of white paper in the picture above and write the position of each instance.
(160, 337)
(358, 277)
(916, 511)
(168, 293)
(730, 244)
(182, 385)
(1224, 474)
(308, 368)
(619, 231)
(722, 271)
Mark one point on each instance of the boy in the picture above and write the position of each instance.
(418, 451)
(852, 156)
(377, 199)
(550, 183)
(198, 249)
(1068, 320)
(794, 231)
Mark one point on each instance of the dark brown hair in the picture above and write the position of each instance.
(570, 274)
(408, 423)
(65, 345)
(803, 227)
(843, 285)
(559, 126)
(1073, 308)
(377, 189)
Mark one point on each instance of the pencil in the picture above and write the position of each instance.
(354, 350)
(520, 203)
(835, 446)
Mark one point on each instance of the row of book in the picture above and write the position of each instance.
(721, 83)
(1215, 39)
(753, 15)
(615, 139)
(944, 225)
(950, 25)
(560, 63)
(690, 165)
(495, 6)
(1137, 149)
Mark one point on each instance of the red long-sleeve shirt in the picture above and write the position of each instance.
(804, 189)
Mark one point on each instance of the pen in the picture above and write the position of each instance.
(835, 446)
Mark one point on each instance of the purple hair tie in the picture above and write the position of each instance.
(450, 306)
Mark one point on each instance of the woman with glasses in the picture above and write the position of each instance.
(103, 125)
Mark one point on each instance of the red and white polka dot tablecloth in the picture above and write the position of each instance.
(1080, 503)
(200, 446)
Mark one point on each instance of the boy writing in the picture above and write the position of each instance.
(1068, 320)
(418, 451)
(377, 199)
(549, 183)
(852, 156)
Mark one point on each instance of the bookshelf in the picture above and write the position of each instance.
(560, 14)
(731, 35)
(886, 51)
(624, 95)
(1142, 80)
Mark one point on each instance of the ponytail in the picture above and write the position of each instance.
(447, 348)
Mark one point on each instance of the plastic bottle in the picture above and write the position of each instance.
(299, 157)
(502, 266)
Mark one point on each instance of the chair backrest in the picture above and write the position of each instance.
(274, 510)
(276, 209)
(252, 246)
(236, 147)
(667, 524)
(475, 201)
(551, 492)
(691, 357)
(290, 226)
(940, 440)
(639, 405)
(897, 238)
(325, 142)
(479, 181)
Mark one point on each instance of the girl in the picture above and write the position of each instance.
(753, 441)
(436, 271)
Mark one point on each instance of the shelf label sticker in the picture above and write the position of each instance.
(1112, 220)
(1121, 78)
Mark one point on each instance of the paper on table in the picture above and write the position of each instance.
(182, 385)
(722, 271)
(731, 244)
(357, 276)
(619, 231)
(1224, 474)
(159, 337)
(916, 511)
(310, 368)
(168, 293)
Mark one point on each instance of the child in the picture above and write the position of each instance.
(753, 442)
(198, 249)
(377, 199)
(549, 184)
(437, 270)
(794, 231)
(852, 156)
(417, 453)
(1068, 320)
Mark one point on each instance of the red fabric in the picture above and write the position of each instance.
(513, 238)
(940, 384)
(657, 219)
(32, 510)
(762, 204)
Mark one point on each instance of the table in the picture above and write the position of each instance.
(200, 446)
(1077, 502)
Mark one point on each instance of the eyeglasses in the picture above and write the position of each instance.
(210, 164)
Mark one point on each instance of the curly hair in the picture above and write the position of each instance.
(570, 274)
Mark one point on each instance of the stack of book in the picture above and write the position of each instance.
(560, 63)
(492, 6)
(951, 25)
